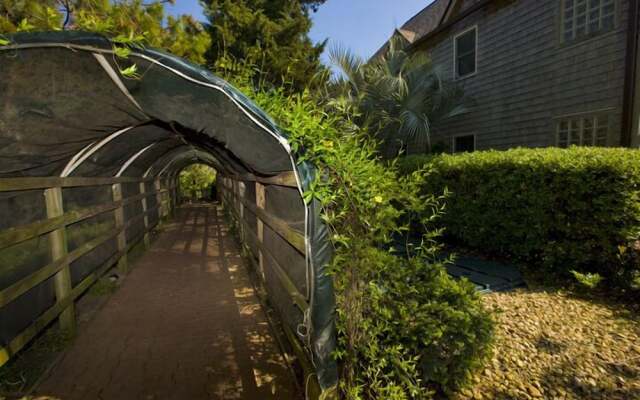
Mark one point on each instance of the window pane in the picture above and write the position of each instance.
(594, 20)
(602, 130)
(608, 9)
(574, 133)
(467, 65)
(581, 27)
(588, 132)
(466, 53)
(568, 35)
(582, 17)
(601, 137)
(463, 143)
(568, 27)
(466, 43)
(568, 4)
(563, 133)
(607, 22)
(568, 15)
(607, 15)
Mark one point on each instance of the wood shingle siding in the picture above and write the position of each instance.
(527, 78)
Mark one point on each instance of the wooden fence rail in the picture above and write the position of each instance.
(263, 259)
(56, 226)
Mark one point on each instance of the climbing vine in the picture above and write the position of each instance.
(406, 330)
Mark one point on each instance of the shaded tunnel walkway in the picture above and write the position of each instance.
(89, 165)
(185, 324)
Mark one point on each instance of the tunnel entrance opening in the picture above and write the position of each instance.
(90, 165)
(197, 182)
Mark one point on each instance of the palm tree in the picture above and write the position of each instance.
(399, 96)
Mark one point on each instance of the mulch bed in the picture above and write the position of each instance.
(554, 346)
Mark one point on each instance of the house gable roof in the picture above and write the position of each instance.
(421, 24)
(426, 21)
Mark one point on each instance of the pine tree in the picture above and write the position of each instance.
(271, 35)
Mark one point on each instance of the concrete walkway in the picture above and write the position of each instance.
(185, 324)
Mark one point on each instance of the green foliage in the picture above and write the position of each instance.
(414, 162)
(398, 95)
(27, 15)
(555, 209)
(130, 72)
(126, 22)
(272, 34)
(406, 329)
(196, 179)
(588, 280)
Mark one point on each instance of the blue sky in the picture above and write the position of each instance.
(361, 25)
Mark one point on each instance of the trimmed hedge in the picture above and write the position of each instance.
(560, 209)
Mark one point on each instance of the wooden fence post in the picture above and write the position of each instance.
(159, 200)
(116, 189)
(175, 190)
(58, 249)
(261, 202)
(144, 211)
(240, 190)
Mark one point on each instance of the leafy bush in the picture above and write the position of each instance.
(559, 209)
(196, 179)
(406, 330)
(411, 163)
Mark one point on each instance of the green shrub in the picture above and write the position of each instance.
(559, 209)
(196, 180)
(414, 162)
(406, 330)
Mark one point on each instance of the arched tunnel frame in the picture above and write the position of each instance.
(134, 160)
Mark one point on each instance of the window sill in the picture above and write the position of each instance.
(461, 78)
(586, 39)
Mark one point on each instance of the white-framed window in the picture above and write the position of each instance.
(464, 143)
(581, 18)
(465, 53)
(583, 130)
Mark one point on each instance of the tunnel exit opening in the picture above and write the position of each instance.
(197, 182)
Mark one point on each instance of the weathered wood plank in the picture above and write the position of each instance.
(58, 250)
(240, 190)
(6, 295)
(156, 185)
(261, 203)
(30, 183)
(15, 235)
(281, 227)
(39, 324)
(12, 292)
(287, 178)
(300, 353)
(297, 298)
(118, 215)
(144, 211)
(65, 303)
(23, 285)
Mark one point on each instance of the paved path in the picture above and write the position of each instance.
(185, 324)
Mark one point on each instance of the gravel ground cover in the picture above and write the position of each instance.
(551, 345)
